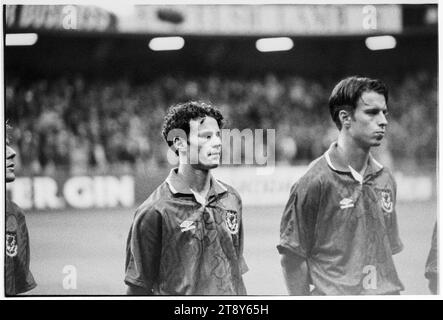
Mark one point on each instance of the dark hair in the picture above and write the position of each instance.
(348, 91)
(179, 115)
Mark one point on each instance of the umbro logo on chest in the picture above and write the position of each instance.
(346, 203)
(187, 225)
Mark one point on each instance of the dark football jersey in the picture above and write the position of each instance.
(345, 226)
(179, 246)
(18, 277)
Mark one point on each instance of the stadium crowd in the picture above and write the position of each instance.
(81, 124)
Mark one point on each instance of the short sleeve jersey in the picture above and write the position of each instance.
(179, 246)
(345, 226)
(18, 277)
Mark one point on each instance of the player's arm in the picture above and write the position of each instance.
(431, 270)
(28, 283)
(297, 235)
(295, 272)
(392, 223)
(243, 266)
(143, 253)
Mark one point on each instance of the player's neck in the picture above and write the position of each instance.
(356, 156)
(198, 180)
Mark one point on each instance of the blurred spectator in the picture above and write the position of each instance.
(83, 124)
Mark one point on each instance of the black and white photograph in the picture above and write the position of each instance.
(210, 149)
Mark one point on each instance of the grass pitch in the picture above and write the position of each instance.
(93, 241)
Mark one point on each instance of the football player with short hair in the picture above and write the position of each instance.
(18, 277)
(339, 228)
(187, 237)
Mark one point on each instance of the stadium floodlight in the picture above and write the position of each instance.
(166, 43)
(381, 43)
(274, 44)
(21, 39)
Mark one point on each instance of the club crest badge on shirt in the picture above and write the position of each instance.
(232, 221)
(11, 244)
(11, 236)
(387, 203)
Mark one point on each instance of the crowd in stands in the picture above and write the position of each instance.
(79, 124)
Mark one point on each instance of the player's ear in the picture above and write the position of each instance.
(180, 143)
(345, 118)
(178, 138)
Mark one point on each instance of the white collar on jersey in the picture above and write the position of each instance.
(355, 174)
